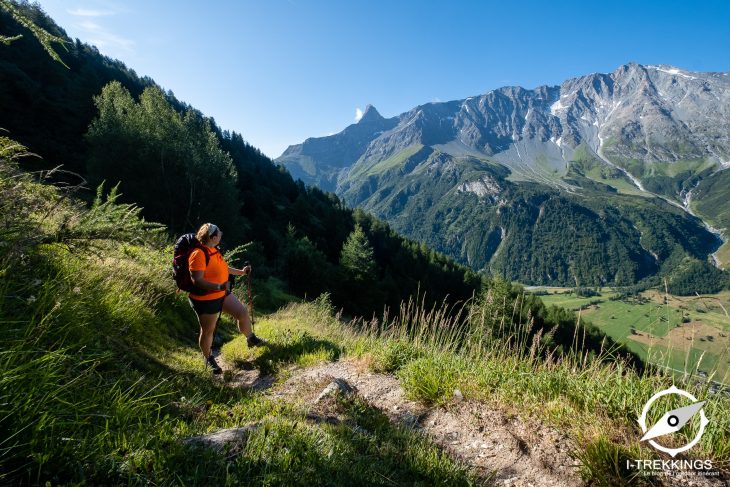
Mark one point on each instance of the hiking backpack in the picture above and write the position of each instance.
(180, 265)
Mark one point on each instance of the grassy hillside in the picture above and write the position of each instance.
(708, 200)
(102, 381)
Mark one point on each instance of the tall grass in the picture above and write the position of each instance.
(69, 303)
(101, 379)
(59, 405)
(490, 351)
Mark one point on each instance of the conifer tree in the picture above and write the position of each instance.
(357, 271)
(357, 259)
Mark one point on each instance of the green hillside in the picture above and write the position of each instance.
(708, 200)
(532, 233)
(102, 380)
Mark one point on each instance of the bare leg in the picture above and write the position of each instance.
(232, 306)
(207, 329)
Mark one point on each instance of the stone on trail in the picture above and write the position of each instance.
(338, 385)
(225, 439)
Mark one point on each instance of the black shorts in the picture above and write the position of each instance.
(207, 307)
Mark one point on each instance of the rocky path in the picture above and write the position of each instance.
(495, 444)
(498, 446)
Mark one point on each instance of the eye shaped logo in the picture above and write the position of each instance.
(673, 421)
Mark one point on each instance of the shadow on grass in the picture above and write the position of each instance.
(290, 349)
(394, 452)
(344, 441)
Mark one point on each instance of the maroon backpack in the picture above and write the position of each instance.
(180, 265)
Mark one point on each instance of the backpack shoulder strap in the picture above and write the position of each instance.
(205, 253)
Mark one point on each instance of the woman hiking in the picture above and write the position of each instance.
(212, 279)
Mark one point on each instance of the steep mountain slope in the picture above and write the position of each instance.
(590, 181)
(296, 234)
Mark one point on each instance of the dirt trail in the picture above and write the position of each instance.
(497, 445)
(490, 441)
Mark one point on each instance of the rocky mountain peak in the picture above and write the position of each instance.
(370, 115)
(649, 136)
(630, 118)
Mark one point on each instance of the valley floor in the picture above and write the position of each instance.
(689, 335)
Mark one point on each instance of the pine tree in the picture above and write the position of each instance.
(357, 259)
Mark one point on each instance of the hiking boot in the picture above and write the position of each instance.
(213, 365)
(254, 341)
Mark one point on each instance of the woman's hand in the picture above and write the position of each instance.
(240, 272)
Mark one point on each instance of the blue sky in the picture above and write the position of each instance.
(279, 71)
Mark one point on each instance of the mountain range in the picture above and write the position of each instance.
(612, 178)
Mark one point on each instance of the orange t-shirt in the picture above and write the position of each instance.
(216, 271)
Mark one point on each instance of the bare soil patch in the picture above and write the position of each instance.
(686, 336)
(494, 443)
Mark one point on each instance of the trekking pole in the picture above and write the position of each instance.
(250, 297)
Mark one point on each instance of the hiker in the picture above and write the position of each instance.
(213, 279)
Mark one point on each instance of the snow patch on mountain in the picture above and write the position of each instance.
(558, 106)
(673, 71)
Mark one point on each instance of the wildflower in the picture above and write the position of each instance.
(31, 299)
(77, 290)
(36, 282)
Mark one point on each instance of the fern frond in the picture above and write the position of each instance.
(46, 39)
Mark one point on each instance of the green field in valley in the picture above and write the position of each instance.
(684, 333)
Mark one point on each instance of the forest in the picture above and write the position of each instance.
(102, 122)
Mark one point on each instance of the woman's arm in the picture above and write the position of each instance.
(197, 278)
(239, 272)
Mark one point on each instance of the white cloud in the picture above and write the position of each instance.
(92, 29)
(89, 26)
(82, 12)
(358, 114)
(105, 40)
(110, 41)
